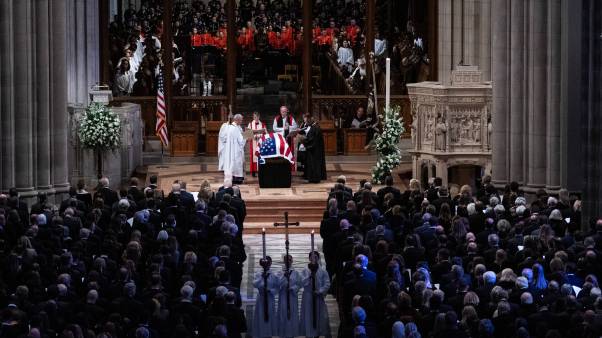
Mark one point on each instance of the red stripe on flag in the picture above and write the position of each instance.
(282, 143)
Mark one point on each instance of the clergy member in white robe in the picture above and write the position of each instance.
(345, 57)
(306, 327)
(262, 328)
(288, 327)
(231, 149)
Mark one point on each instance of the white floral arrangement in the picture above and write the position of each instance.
(100, 128)
(386, 144)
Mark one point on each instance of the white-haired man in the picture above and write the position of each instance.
(285, 125)
(232, 150)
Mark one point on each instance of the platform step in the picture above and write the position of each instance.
(304, 228)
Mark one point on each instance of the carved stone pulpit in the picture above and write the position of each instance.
(451, 124)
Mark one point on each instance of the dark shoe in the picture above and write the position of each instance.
(254, 174)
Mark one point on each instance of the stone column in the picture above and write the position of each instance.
(536, 169)
(23, 96)
(307, 50)
(58, 75)
(231, 55)
(42, 82)
(517, 80)
(469, 32)
(444, 48)
(92, 43)
(554, 94)
(7, 132)
(484, 45)
(500, 93)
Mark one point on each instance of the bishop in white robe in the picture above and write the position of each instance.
(231, 149)
(288, 327)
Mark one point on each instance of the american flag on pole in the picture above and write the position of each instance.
(273, 145)
(161, 127)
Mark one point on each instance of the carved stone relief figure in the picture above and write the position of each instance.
(477, 130)
(440, 131)
(430, 128)
(414, 126)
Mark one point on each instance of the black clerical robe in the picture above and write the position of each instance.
(315, 161)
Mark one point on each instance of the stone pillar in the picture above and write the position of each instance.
(307, 50)
(517, 89)
(58, 93)
(444, 48)
(231, 55)
(23, 96)
(500, 94)
(42, 85)
(554, 94)
(7, 131)
(92, 43)
(536, 168)
(484, 37)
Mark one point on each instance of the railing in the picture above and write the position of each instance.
(335, 82)
(183, 108)
(341, 108)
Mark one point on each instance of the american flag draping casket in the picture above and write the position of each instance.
(273, 145)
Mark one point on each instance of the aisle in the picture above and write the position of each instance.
(299, 248)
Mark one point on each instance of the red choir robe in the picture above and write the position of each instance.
(206, 39)
(316, 32)
(195, 40)
(271, 38)
(254, 125)
(352, 31)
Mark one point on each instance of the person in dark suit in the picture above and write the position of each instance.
(360, 281)
(72, 202)
(108, 196)
(20, 205)
(83, 195)
(135, 192)
(187, 198)
(388, 188)
(224, 189)
(235, 317)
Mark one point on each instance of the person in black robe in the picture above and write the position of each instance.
(315, 161)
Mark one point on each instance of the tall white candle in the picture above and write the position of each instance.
(263, 242)
(388, 85)
(312, 241)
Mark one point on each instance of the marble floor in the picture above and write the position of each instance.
(299, 248)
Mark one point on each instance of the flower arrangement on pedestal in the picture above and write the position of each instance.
(100, 130)
(386, 144)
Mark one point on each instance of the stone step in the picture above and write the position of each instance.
(303, 228)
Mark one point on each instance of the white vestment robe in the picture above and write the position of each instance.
(345, 57)
(231, 150)
(261, 328)
(288, 327)
(306, 327)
